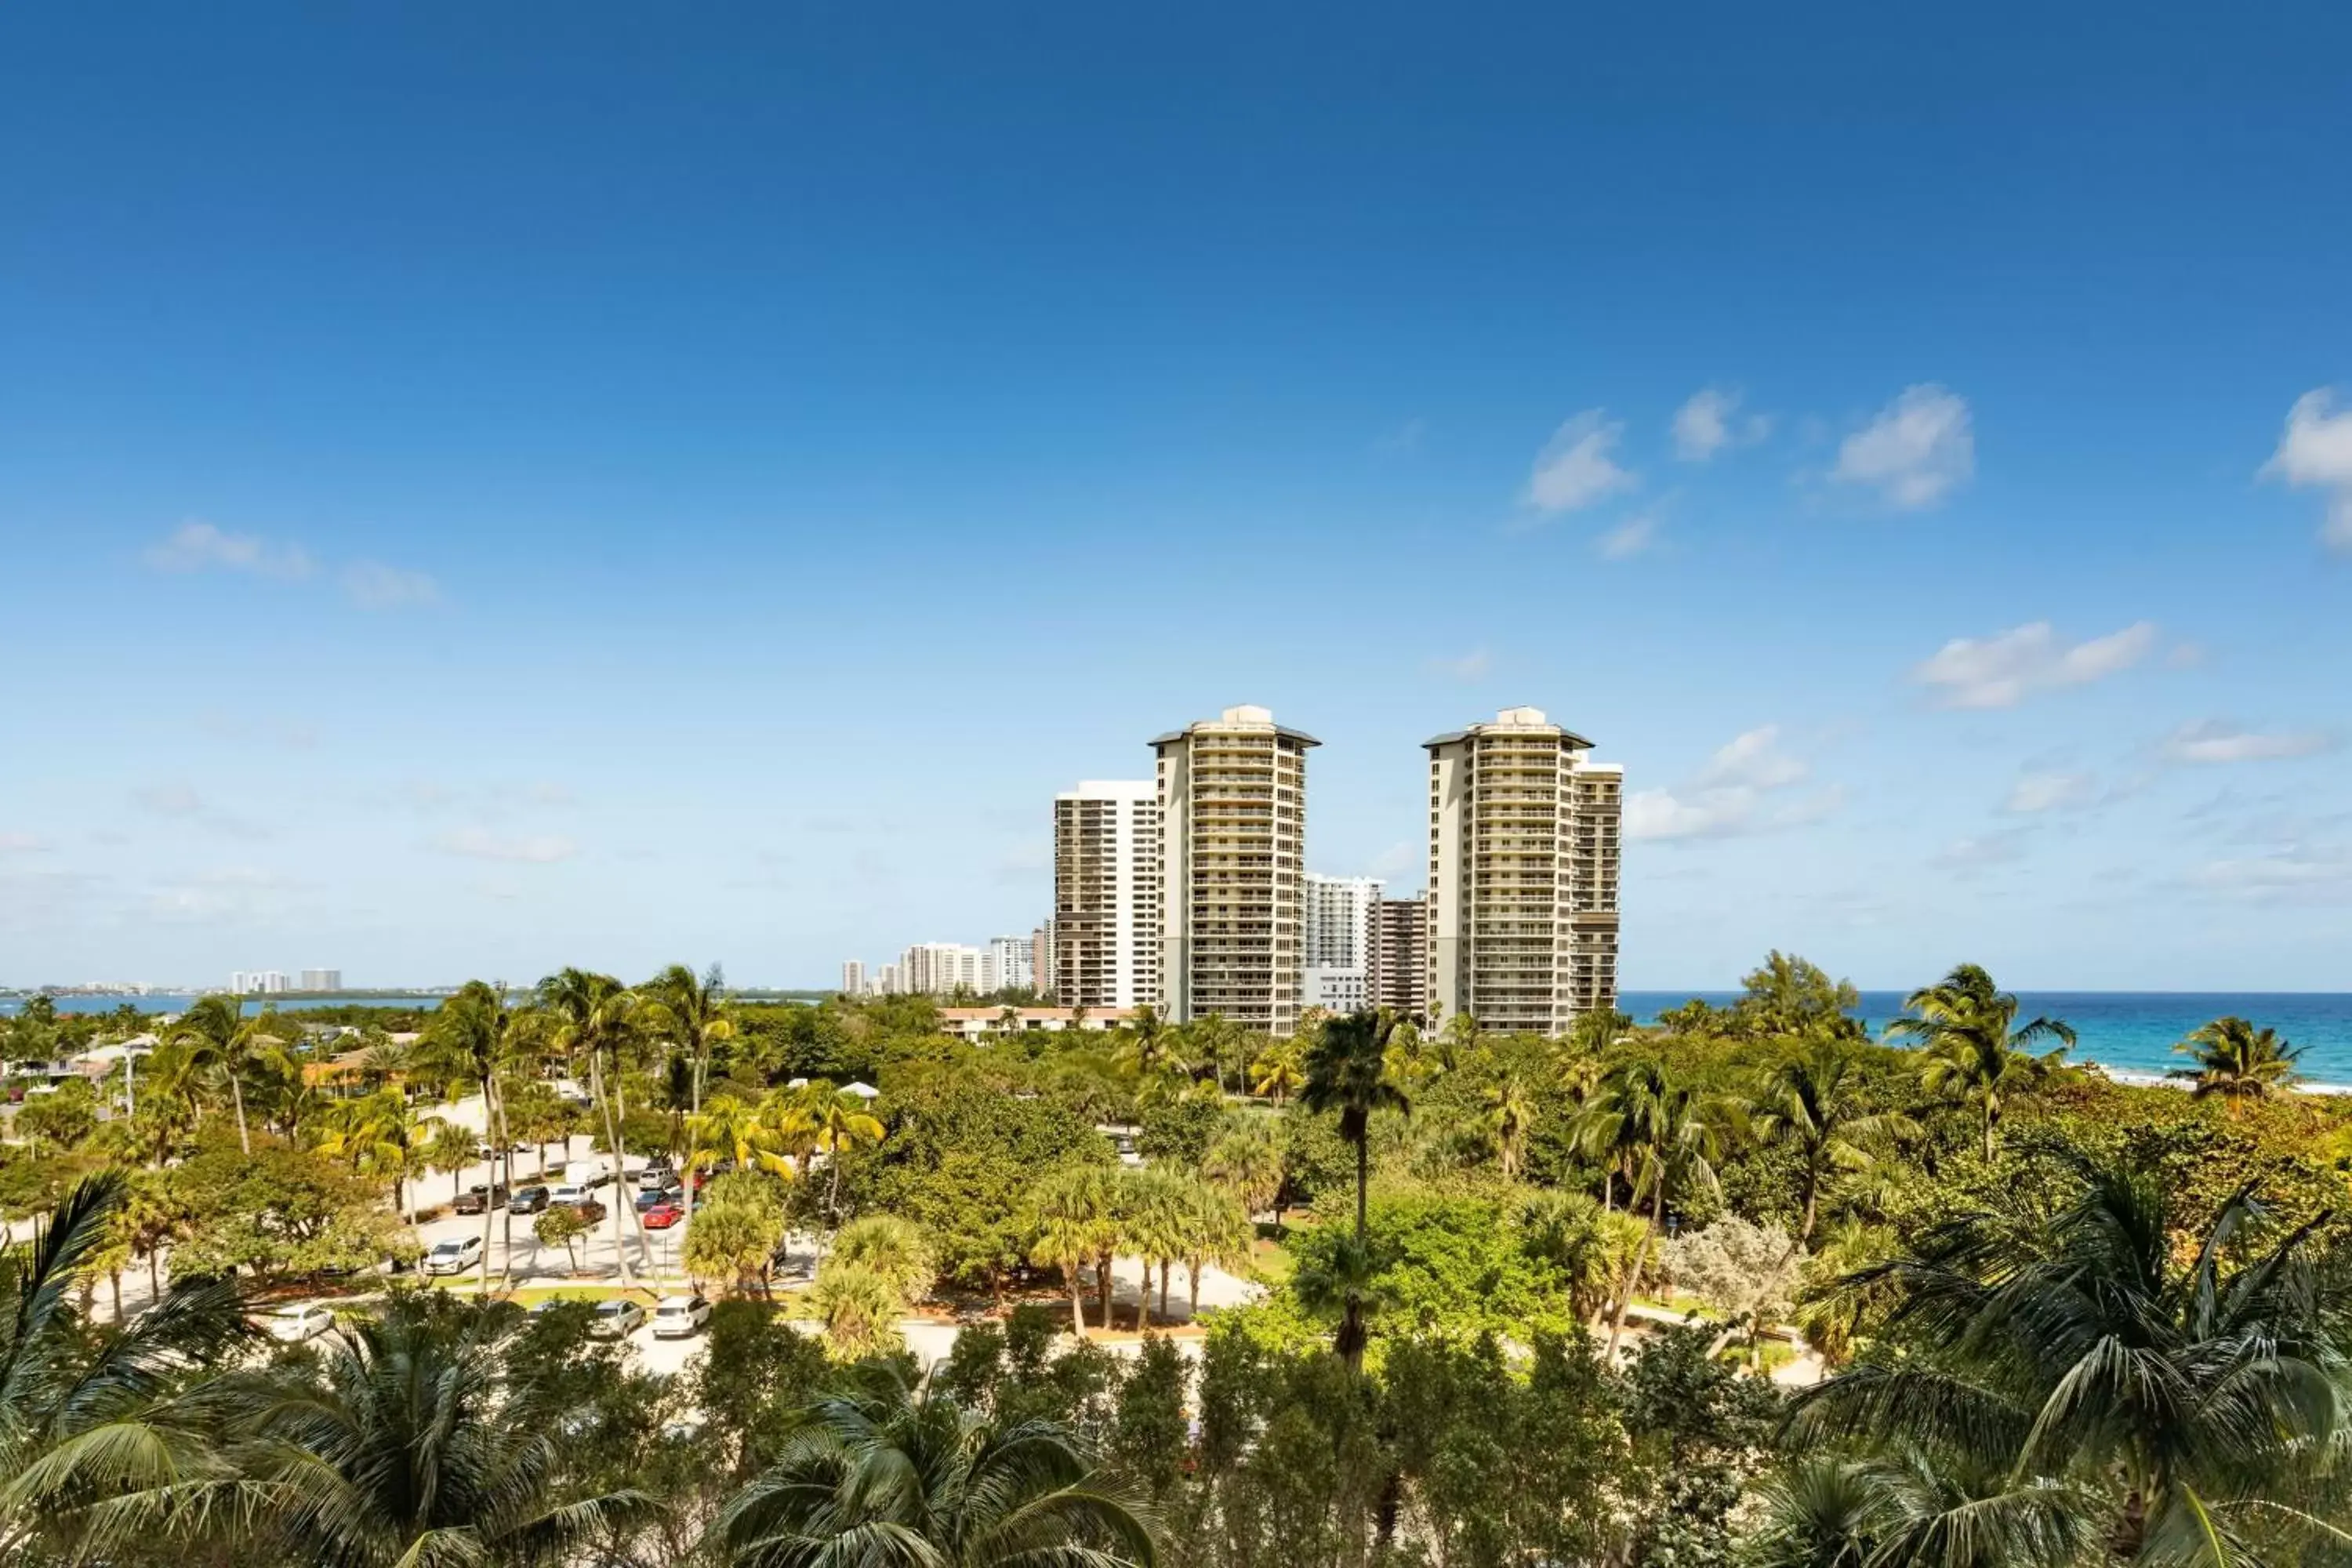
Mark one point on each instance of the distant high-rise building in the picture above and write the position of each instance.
(940, 969)
(1105, 934)
(1523, 874)
(852, 977)
(249, 982)
(1397, 973)
(1337, 941)
(1041, 958)
(1233, 834)
(1007, 963)
(322, 980)
(886, 982)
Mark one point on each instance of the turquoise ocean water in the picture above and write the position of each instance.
(2132, 1030)
(2129, 1030)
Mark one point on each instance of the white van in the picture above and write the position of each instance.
(594, 1172)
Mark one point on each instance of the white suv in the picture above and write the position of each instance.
(678, 1317)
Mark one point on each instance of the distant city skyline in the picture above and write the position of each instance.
(523, 494)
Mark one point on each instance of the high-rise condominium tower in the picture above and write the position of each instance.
(1105, 934)
(1233, 834)
(1523, 863)
(1337, 941)
(1397, 973)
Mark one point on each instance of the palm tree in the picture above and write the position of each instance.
(383, 1136)
(1158, 1220)
(1279, 1070)
(1246, 1162)
(890, 1476)
(1509, 1113)
(2114, 1386)
(894, 1249)
(1671, 1138)
(1347, 1072)
(594, 1017)
(474, 1039)
(1812, 1102)
(859, 1308)
(2238, 1062)
(413, 1443)
(834, 1119)
(1595, 1249)
(1216, 1229)
(1075, 1216)
(729, 1128)
(695, 1015)
(93, 1449)
(218, 1038)
(1967, 1030)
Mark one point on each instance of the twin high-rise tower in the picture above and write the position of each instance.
(1189, 892)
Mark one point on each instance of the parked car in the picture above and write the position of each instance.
(593, 1172)
(491, 1150)
(292, 1325)
(478, 1197)
(589, 1209)
(453, 1257)
(569, 1195)
(679, 1316)
(532, 1199)
(654, 1197)
(661, 1216)
(616, 1320)
(655, 1177)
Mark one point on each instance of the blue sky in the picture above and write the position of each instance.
(484, 489)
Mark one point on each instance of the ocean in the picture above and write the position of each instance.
(2131, 1031)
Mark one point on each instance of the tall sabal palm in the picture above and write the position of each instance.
(474, 1038)
(383, 1135)
(217, 1037)
(1346, 1073)
(694, 1015)
(1812, 1102)
(1279, 1070)
(893, 1478)
(594, 1017)
(2237, 1062)
(93, 1447)
(1216, 1230)
(1669, 1134)
(1967, 1028)
(1510, 1113)
(2162, 1404)
(411, 1443)
(1247, 1161)
(833, 1120)
(1073, 1214)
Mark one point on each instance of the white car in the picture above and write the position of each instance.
(569, 1196)
(679, 1317)
(292, 1325)
(453, 1257)
(616, 1320)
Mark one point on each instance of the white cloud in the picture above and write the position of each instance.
(2299, 876)
(1630, 538)
(1401, 856)
(1471, 665)
(2217, 741)
(1990, 850)
(481, 844)
(1739, 790)
(1710, 422)
(22, 844)
(2315, 451)
(1917, 451)
(2038, 792)
(201, 547)
(2001, 671)
(373, 586)
(168, 800)
(1753, 760)
(1575, 470)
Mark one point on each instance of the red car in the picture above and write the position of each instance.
(661, 1216)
